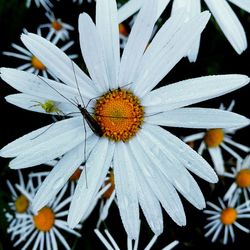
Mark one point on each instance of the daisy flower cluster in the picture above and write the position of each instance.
(116, 152)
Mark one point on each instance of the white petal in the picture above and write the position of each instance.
(156, 66)
(50, 149)
(160, 185)
(193, 137)
(229, 23)
(192, 8)
(32, 103)
(92, 52)
(191, 160)
(59, 63)
(107, 26)
(217, 159)
(177, 175)
(126, 190)
(40, 86)
(128, 9)
(132, 6)
(137, 43)
(39, 136)
(148, 201)
(191, 91)
(198, 118)
(243, 4)
(97, 167)
(61, 173)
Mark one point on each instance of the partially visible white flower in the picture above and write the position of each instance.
(45, 3)
(32, 63)
(111, 244)
(241, 176)
(20, 205)
(57, 29)
(221, 10)
(42, 229)
(216, 139)
(225, 218)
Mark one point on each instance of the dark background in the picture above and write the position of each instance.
(216, 56)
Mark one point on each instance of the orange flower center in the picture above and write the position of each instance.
(111, 180)
(37, 64)
(56, 25)
(119, 114)
(21, 204)
(228, 216)
(214, 137)
(123, 29)
(243, 178)
(45, 219)
(76, 175)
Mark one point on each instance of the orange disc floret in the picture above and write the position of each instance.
(228, 216)
(214, 137)
(21, 204)
(45, 219)
(37, 64)
(76, 175)
(110, 180)
(56, 25)
(123, 30)
(243, 178)
(119, 114)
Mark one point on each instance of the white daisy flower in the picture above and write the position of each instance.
(124, 131)
(32, 63)
(20, 204)
(111, 244)
(224, 218)
(57, 29)
(241, 176)
(42, 229)
(221, 10)
(216, 139)
(45, 3)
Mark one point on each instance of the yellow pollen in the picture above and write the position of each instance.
(243, 178)
(228, 216)
(37, 64)
(119, 114)
(111, 180)
(21, 204)
(76, 175)
(45, 219)
(214, 137)
(56, 25)
(123, 29)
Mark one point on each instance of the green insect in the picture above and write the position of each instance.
(49, 107)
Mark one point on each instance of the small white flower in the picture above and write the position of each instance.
(128, 116)
(57, 29)
(19, 205)
(111, 244)
(221, 10)
(241, 176)
(42, 229)
(216, 139)
(225, 217)
(32, 63)
(45, 3)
